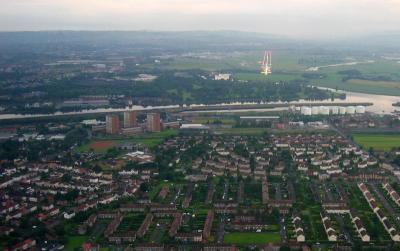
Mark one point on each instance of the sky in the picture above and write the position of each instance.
(295, 18)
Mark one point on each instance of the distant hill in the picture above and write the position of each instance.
(187, 41)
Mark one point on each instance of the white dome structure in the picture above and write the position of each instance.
(324, 110)
(360, 109)
(315, 110)
(350, 110)
(335, 110)
(305, 110)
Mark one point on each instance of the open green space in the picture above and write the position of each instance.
(74, 242)
(380, 142)
(243, 131)
(209, 120)
(290, 66)
(156, 189)
(251, 238)
(150, 140)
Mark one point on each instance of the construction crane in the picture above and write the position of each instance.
(266, 66)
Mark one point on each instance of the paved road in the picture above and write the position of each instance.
(221, 229)
(225, 195)
(328, 192)
(315, 192)
(158, 233)
(210, 192)
(240, 192)
(344, 229)
(395, 215)
(282, 230)
(173, 201)
(278, 193)
(291, 190)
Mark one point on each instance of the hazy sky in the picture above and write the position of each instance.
(327, 18)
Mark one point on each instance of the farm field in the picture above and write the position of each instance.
(291, 66)
(380, 142)
(390, 84)
(251, 238)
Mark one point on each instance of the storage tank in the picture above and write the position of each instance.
(335, 110)
(305, 110)
(360, 109)
(315, 110)
(324, 110)
(350, 110)
(342, 110)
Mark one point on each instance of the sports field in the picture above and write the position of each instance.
(209, 120)
(149, 139)
(243, 131)
(379, 142)
(251, 238)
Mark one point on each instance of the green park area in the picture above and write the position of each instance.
(379, 142)
(101, 145)
(251, 238)
(74, 242)
(210, 120)
(243, 131)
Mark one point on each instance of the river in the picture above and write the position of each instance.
(382, 104)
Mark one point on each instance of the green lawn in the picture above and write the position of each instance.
(251, 238)
(256, 76)
(156, 189)
(148, 139)
(243, 131)
(380, 142)
(75, 242)
(205, 120)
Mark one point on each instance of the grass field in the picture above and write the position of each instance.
(243, 131)
(388, 84)
(256, 76)
(289, 65)
(149, 139)
(205, 120)
(251, 238)
(261, 131)
(74, 242)
(380, 142)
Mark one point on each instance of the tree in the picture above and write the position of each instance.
(67, 178)
(144, 187)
